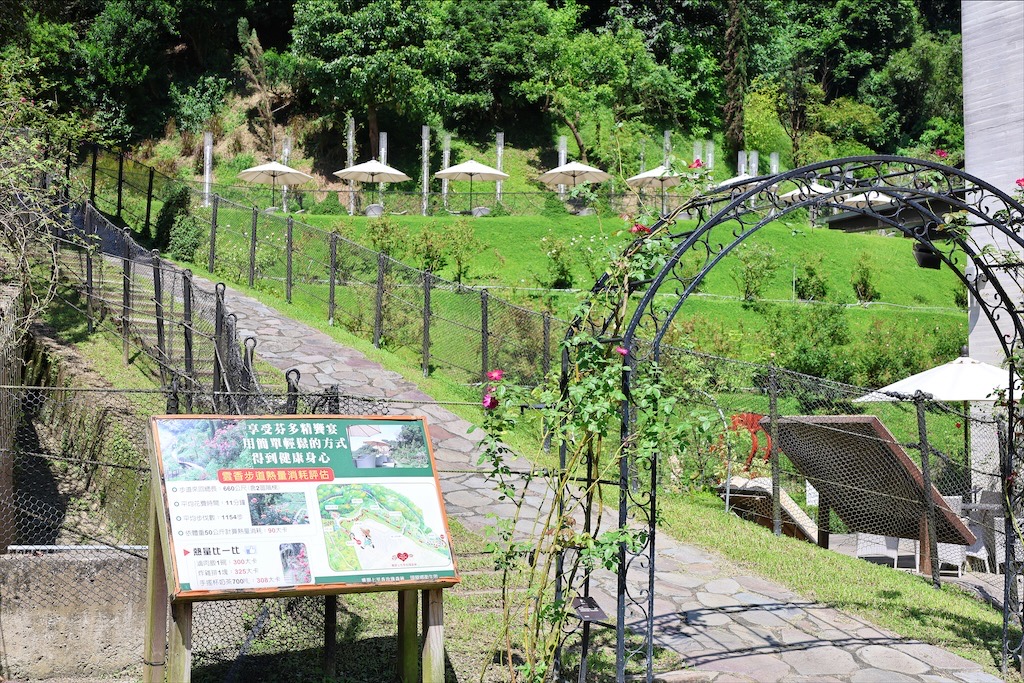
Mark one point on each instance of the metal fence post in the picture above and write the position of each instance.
(292, 377)
(333, 270)
(149, 200)
(158, 300)
(89, 231)
(546, 357)
(926, 484)
(773, 411)
(213, 232)
(378, 313)
(288, 246)
(484, 334)
(126, 292)
(252, 246)
(218, 342)
(92, 175)
(427, 284)
(173, 405)
(186, 295)
(120, 180)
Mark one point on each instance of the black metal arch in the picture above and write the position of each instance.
(965, 222)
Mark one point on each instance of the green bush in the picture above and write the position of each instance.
(329, 206)
(200, 102)
(186, 237)
(175, 205)
(862, 280)
(811, 285)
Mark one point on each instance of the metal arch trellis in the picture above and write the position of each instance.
(945, 210)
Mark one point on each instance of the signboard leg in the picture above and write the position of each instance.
(179, 652)
(156, 605)
(330, 634)
(408, 641)
(433, 636)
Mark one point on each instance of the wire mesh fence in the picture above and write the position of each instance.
(842, 467)
(74, 518)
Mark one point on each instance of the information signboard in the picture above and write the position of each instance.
(286, 505)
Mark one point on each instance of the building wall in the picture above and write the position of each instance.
(993, 73)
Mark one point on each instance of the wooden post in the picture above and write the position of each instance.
(126, 292)
(378, 308)
(331, 301)
(427, 277)
(213, 233)
(120, 181)
(156, 605)
(773, 427)
(408, 643)
(929, 527)
(484, 334)
(824, 516)
(433, 636)
(288, 248)
(330, 634)
(149, 201)
(252, 245)
(179, 650)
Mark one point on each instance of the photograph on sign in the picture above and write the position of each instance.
(299, 503)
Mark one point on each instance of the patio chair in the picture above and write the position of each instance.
(879, 549)
(953, 554)
(978, 550)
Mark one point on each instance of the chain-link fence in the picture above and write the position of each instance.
(75, 524)
(849, 473)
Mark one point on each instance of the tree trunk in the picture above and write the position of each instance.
(576, 136)
(374, 128)
(735, 78)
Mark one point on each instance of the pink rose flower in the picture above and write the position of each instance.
(1020, 183)
(490, 402)
(622, 350)
(640, 229)
(697, 163)
(941, 153)
(495, 375)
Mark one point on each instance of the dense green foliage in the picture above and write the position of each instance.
(809, 80)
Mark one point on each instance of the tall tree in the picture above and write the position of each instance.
(735, 65)
(370, 56)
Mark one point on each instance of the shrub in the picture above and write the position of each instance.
(863, 287)
(329, 205)
(199, 103)
(757, 266)
(810, 285)
(177, 204)
(186, 237)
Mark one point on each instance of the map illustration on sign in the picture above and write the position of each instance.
(299, 503)
(375, 526)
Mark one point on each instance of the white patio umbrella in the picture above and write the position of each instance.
(471, 170)
(572, 173)
(372, 171)
(872, 198)
(273, 172)
(802, 193)
(963, 379)
(741, 179)
(660, 176)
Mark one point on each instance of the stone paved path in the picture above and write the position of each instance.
(727, 624)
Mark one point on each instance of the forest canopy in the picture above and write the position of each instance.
(808, 79)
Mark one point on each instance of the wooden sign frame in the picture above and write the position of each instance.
(240, 468)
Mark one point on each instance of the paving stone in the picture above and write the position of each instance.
(826, 660)
(891, 659)
(761, 617)
(707, 617)
(765, 668)
(977, 677)
(936, 657)
(931, 678)
(880, 676)
(716, 600)
(687, 676)
(748, 598)
(724, 586)
(679, 579)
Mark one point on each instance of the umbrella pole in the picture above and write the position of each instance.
(471, 193)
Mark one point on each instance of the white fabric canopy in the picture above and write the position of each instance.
(272, 173)
(659, 176)
(572, 173)
(372, 171)
(963, 379)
